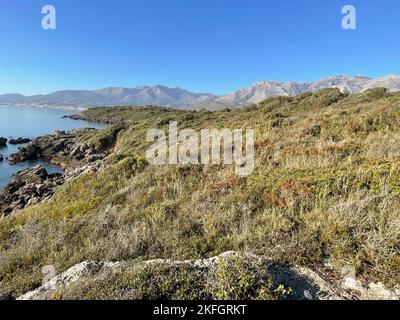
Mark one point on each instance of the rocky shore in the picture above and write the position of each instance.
(28, 187)
(99, 119)
(19, 141)
(60, 148)
(3, 142)
(35, 185)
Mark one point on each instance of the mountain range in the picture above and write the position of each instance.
(180, 98)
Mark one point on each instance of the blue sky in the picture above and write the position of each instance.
(205, 45)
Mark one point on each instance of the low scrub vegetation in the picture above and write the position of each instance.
(325, 191)
(234, 278)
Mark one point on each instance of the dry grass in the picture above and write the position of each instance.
(326, 188)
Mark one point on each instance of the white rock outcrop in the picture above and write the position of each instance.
(68, 277)
(305, 283)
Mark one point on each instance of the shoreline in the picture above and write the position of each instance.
(65, 150)
(61, 149)
(46, 106)
(32, 123)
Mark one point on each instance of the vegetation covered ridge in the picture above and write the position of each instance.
(324, 194)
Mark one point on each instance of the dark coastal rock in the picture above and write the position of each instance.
(64, 149)
(1, 157)
(60, 148)
(3, 142)
(58, 133)
(19, 141)
(100, 119)
(74, 117)
(28, 187)
(31, 152)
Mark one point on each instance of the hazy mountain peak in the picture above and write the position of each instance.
(180, 98)
(262, 90)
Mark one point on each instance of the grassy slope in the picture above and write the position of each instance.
(326, 188)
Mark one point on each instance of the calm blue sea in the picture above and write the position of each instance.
(30, 123)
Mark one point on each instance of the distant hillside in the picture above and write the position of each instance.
(183, 99)
(266, 89)
(11, 98)
(145, 95)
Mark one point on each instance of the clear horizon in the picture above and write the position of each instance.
(209, 47)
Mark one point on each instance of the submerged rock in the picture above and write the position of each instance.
(1, 157)
(19, 141)
(3, 142)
